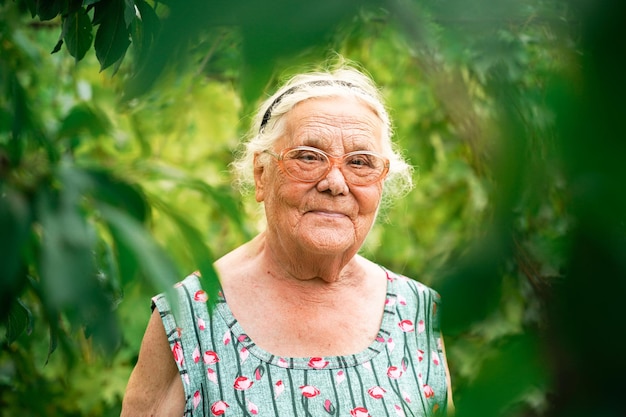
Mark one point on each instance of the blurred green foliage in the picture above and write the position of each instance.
(114, 181)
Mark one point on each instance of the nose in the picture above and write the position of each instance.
(334, 181)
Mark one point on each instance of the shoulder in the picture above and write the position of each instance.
(184, 290)
(154, 387)
(405, 284)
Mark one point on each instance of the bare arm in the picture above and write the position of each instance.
(445, 361)
(154, 388)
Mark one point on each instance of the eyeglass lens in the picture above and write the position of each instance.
(358, 168)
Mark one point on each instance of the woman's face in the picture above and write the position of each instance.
(329, 216)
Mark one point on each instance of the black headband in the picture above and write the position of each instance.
(316, 83)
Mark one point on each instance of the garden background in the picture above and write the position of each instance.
(118, 119)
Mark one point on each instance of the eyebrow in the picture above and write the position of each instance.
(315, 142)
(318, 143)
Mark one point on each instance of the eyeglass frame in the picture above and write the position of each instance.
(333, 161)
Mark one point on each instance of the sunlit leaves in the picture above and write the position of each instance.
(117, 21)
(75, 236)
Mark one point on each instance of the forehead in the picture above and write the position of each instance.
(332, 123)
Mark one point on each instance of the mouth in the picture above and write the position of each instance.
(327, 213)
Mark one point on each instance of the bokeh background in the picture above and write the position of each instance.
(119, 118)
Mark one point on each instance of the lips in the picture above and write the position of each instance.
(328, 210)
(328, 213)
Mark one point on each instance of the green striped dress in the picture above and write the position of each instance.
(224, 373)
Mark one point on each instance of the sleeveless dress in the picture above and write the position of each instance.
(225, 374)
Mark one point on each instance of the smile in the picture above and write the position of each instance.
(328, 213)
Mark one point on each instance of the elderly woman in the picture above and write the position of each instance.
(303, 325)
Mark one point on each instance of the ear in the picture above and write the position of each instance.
(259, 171)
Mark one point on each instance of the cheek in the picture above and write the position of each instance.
(368, 200)
(283, 195)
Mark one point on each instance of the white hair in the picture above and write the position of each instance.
(268, 124)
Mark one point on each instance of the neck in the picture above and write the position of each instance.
(304, 266)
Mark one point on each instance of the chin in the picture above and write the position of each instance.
(328, 243)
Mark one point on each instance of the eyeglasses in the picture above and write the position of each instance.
(308, 164)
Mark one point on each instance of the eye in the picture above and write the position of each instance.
(306, 155)
(360, 161)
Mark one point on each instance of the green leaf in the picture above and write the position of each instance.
(5, 120)
(15, 221)
(264, 42)
(21, 120)
(67, 267)
(77, 33)
(474, 287)
(117, 193)
(144, 30)
(70, 280)
(127, 262)
(155, 264)
(108, 269)
(148, 16)
(32, 7)
(57, 47)
(112, 37)
(53, 342)
(105, 187)
(81, 119)
(511, 371)
(20, 319)
(195, 243)
(223, 197)
(129, 12)
(48, 9)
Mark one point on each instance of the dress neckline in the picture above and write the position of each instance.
(316, 362)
